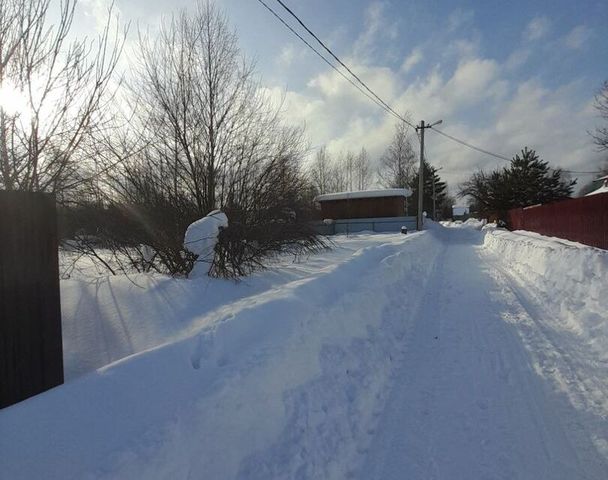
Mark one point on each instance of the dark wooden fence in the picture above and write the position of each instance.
(583, 220)
(31, 358)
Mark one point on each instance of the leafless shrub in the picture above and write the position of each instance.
(203, 134)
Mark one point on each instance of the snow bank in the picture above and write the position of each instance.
(469, 223)
(281, 384)
(201, 237)
(570, 279)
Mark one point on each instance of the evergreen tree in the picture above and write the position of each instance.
(528, 180)
(430, 176)
(531, 181)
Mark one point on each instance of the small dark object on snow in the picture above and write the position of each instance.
(436, 338)
(404, 230)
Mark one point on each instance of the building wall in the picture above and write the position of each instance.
(355, 225)
(363, 208)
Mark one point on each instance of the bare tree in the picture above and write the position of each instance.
(321, 172)
(339, 174)
(363, 170)
(207, 137)
(600, 136)
(398, 163)
(59, 91)
(341, 171)
(194, 95)
(347, 165)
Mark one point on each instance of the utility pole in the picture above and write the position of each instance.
(420, 177)
(422, 127)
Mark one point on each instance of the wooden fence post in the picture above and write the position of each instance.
(31, 357)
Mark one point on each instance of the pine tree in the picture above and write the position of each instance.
(430, 175)
(528, 180)
(532, 181)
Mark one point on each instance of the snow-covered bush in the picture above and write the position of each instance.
(248, 244)
(201, 238)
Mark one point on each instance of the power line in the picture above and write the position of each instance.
(348, 69)
(320, 55)
(376, 99)
(502, 157)
(581, 173)
(386, 106)
(466, 144)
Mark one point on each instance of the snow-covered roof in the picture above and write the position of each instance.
(388, 192)
(602, 189)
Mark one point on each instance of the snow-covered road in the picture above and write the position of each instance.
(446, 354)
(466, 401)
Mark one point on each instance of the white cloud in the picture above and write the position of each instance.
(412, 60)
(472, 82)
(459, 18)
(537, 28)
(517, 58)
(463, 47)
(578, 36)
(377, 26)
(380, 79)
(98, 11)
(476, 97)
(287, 56)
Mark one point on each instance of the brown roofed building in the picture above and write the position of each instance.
(364, 204)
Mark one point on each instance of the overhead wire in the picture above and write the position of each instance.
(378, 102)
(361, 82)
(499, 156)
(369, 93)
(346, 67)
(582, 173)
(469, 145)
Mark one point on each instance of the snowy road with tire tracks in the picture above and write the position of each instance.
(448, 354)
(467, 401)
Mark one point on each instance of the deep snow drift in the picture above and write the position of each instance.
(451, 353)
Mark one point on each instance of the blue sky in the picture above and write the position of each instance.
(502, 75)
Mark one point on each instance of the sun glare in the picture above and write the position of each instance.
(12, 101)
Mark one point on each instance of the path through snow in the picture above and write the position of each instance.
(438, 355)
(467, 402)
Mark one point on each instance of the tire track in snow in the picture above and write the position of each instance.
(469, 404)
(550, 359)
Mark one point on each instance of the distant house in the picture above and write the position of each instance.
(364, 204)
(602, 189)
(369, 210)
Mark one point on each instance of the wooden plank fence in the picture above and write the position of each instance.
(31, 357)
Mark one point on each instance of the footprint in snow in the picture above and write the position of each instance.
(202, 351)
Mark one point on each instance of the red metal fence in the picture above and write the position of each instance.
(583, 220)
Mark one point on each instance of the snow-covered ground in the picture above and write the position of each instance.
(454, 353)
